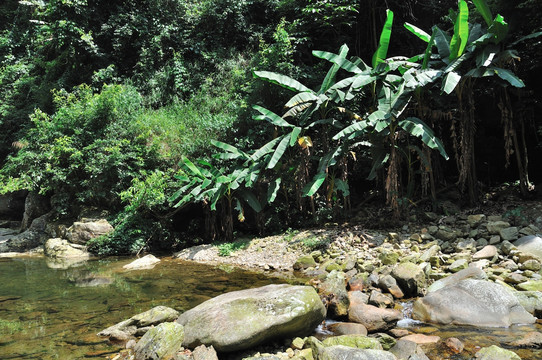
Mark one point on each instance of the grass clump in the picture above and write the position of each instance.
(227, 249)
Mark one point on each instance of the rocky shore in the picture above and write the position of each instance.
(471, 270)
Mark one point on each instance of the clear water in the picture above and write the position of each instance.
(54, 313)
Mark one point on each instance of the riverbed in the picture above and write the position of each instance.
(50, 312)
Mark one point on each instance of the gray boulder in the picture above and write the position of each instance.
(471, 302)
(160, 342)
(469, 273)
(530, 244)
(82, 232)
(340, 352)
(242, 319)
(33, 237)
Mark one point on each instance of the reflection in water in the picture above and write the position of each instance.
(54, 312)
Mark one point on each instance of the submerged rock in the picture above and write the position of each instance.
(242, 319)
(494, 352)
(146, 262)
(471, 302)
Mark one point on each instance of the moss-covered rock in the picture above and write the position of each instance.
(160, 342)
(242, 319)
(304, 262)
(494, 352)
(355, 341)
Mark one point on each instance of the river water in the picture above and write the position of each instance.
(47, 312)
(50, 312)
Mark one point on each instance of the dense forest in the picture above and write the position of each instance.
(195, 119)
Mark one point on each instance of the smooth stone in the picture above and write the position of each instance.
(494, 227)
(469, 273)
(454, 345)
(304, 262)
(422, 339)
(146, 262)
(405, 349)
(475, 220)
(373, 318)
(465, 245)
(471, 302)
(530, 244)
(509, 234)
(459, 265)
(62, 249)
(242, 319)
(488, 252)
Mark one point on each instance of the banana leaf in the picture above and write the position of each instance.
(461, 31)
(281, 80)
(382, 51)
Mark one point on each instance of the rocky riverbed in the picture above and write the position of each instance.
(466, 270)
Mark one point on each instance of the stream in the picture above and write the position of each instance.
(48, 311)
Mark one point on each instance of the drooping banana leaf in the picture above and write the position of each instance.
(509, 76)
(281, 80)
(340, 61)
(461, 31)
(273, 189)
(450, 82)
(266, 149)
(251, 199)
(382, 50)
(442, 41)
(279, 151)
(499, 29)
(312, 187)
(418, 128)
(270, 116)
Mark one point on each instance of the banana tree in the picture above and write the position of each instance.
(474, 51)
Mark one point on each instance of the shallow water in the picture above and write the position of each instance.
(54, 313)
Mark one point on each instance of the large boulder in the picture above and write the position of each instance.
(33, 237)
(530, 244)
(242, 319)
(340, 352)
(410, 278)
(468, 273)
(35, 206)
(160, 342)
(471, 302)
(494, 352)
(60, 248)
(12, 205)
(82, 232)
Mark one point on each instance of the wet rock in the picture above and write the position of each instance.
(454, 345)
(346, 328)
(494, 352)
(304, 262)
(344, 352)
(160, 342)
(422, 339)
(530, 244)
(93, 280)
(494, 227)
(410, 278)
(469, 273)
(373, 318)
(532, 339)
(60, 248)
(242, 319)
(146, 262)
(82, 232)
(354, 341)
(471, 302)
(333, 289)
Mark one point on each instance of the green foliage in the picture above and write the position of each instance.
(8, 327)
(88, 151)
(227, 249)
